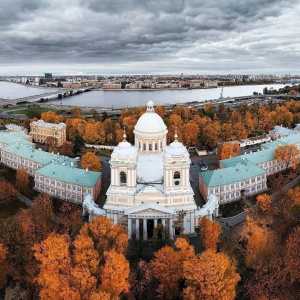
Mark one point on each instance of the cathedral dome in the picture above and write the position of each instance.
(150, 122)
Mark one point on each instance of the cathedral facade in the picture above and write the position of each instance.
(150, 182)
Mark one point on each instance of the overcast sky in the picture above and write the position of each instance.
(149, 36)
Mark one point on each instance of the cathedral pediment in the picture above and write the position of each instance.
(148, 208)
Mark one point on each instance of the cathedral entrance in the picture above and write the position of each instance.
(150, 227)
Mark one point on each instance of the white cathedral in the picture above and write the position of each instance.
(150, 183)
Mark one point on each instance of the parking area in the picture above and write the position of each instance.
(211, 161)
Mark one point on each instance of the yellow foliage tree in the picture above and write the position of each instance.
(210, 276)
(91, 161)
(263, 202)
(210, 232)
(91, 135)
(190, 134)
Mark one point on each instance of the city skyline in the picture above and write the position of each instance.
(153, 37)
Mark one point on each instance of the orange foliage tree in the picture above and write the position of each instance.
(105, 235)
(50, 117)
(210, 233)
(22, 180)
(91, 135)
(167, 267)
(287, 154)
(227, 150)
(7, 192)
(210, 276)
(190, 134)
(293, 254)
(91, 161)
(115, 273)
(55, 268)
(211, 134)
(263, 202)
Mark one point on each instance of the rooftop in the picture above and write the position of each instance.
(69, 174)
(231, 174)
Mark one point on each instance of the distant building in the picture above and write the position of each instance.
(112, 86)
(40, 130)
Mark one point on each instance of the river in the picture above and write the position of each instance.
(127, 98)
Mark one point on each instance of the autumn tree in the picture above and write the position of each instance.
(160, 110)
(263, 202)
(91, 161)
(3, 265)
(7, 192)
(139, 279)
(211, 134)
(288, 155)
(227, 132)
(90, 134)
(174, 125)
(55, 268)
(210, 233)
(105, 235)
(190, 134)
(50, 117)
(22, 180)
(114, 273)
(228, 150)
(76, 112)
(51, 141)
(210, 276)
(167, 267)
(67, 149)
(292, 254)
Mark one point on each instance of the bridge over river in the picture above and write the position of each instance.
(61, 93)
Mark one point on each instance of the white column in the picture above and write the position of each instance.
(144, 229)
(185, 230)
(137, 229)
(129, 228)
(163, 221)
(115, 219)
(171, 228)
(192, 222)
(155, 223)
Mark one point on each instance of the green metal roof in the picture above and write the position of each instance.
(250, 158)
(11, 137)
(38, 156)
(228, 175)
(69, 174)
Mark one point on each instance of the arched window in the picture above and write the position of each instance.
(176, 175)
(177, 178)
(144, 147)
(150, 147)
(156, 146)
(123, 179)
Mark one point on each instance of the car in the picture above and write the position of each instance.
(203, 166)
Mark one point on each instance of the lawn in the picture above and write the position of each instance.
(11, 209)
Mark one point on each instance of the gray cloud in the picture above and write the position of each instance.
(93, 36)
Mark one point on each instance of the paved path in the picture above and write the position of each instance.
(25, 200)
